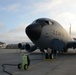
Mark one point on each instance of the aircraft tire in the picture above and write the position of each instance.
(52, 56)
(19, 66)
(28, 60)
(65, 50)
(25, 66)
(46, 56)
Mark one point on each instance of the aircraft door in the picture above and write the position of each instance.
(58, 45)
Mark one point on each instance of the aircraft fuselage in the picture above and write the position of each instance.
(49, 32)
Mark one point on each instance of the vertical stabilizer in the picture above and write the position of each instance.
(70, 29)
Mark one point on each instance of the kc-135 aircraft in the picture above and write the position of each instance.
(49, 35)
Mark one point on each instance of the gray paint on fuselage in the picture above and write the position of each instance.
(50, 32)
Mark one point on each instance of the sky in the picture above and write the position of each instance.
(16, 15)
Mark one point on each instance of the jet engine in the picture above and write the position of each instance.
(30, 47)
(21, 45)
(71, 45)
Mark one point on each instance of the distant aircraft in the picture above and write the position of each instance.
(47, 34)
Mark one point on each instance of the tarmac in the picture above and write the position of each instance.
(64, 64)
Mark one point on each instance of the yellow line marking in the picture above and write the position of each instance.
(48, 59)
(28, 68)
(34, 65)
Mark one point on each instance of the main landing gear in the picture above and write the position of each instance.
(51, 54)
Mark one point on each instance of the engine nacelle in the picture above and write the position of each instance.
(21, 45)
(30, 47)
(71, 45)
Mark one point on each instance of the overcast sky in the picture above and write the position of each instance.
(15, 15)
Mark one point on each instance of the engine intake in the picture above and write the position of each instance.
(30, 47)
(27, 46)
(21, 45)
(71, 45)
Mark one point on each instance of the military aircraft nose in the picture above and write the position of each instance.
(33, 31)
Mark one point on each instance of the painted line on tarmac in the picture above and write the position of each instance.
(34, 65)
(31, 67)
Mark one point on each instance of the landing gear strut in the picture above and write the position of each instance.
(51, 54)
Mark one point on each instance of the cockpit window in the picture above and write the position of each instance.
(47, 22)
(39, 21)
(43, 22)
(51, 23)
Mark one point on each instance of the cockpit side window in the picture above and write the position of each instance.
(51, 23)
